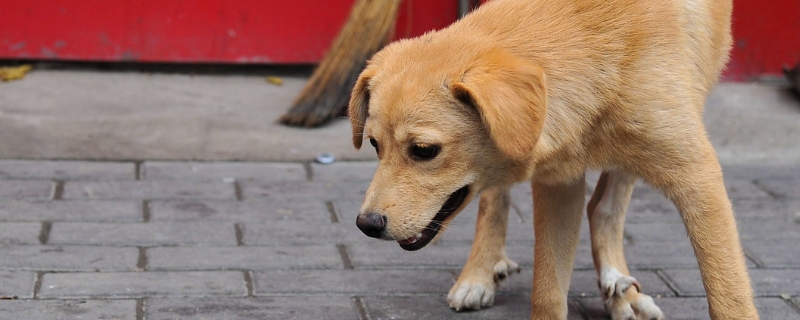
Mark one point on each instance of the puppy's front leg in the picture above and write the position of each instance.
(606, 210)
(487, 264)
(699, 193)
(556, 220)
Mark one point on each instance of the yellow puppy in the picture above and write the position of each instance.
(544, 90)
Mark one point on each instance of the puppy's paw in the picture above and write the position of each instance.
(475, 291)
(471, 294)
(624, 301)
(504, 268)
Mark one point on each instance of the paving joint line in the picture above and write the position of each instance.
(774, 195)
(795, 304)
(309, 171)
(237, 190)
(518, 211)
(249, 283)
(141, 309)
(346, 261)
(57, 193)
(672, 286)
(749, 255)
(142, 261)
(581, 308)
(361, 308)
(138, 170)
(37, 284)
(146, 213)
(238, 230)
(332, 211)
(44, 233)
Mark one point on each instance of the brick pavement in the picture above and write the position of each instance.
(231, 240)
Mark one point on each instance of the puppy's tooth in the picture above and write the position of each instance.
(419, 235)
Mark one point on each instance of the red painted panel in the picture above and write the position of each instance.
(766, 36)
(263, 31)
(298, 31)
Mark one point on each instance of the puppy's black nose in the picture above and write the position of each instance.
(371, 224)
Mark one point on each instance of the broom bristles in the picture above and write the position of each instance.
(327, 92)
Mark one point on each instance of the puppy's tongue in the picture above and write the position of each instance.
(411, 240)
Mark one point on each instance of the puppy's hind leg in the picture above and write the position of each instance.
(621, 292)
(487, 264)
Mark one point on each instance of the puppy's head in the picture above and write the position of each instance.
(445, 124)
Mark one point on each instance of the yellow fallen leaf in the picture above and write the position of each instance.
(14, 73)
(275, 80)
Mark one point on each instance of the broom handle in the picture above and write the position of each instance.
(465, 6)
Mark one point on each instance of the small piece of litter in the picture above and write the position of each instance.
(275, 80)
(326, 158)
(14, 73)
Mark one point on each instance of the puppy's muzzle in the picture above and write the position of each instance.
(371, 224)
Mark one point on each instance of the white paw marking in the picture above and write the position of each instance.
(473, 292)
(624, 300)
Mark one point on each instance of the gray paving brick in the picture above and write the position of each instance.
(254, 210)
(77, 210)
(775, 254)
(787, 188)
(517, 231)
(697, 308)
(403, 308)
(347, 209)
(164, 189)
(775, 308)
(68, 258)
(656, 232)
(765, 282)
(748, 230)
(388, 255)
(760, 171)
(325, 191)
(124, 285)
(652, 208)
(299, 308)
(68, 309)
(20, 232)
(372, 254)
(224, 170)
(371, 282)
(143, 234)
(764, 210)
(775, 231)
(16, 284)
(344, 171)
(251, 258)
(744, 189)
(67, 170)
(300, 233)
(26, 189)
(584, 283)
(656, 255)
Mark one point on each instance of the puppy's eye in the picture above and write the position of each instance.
(374, 144)
(422, 152)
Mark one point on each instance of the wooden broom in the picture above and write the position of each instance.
(325, 96)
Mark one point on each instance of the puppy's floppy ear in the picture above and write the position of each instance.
(510, 95)
(357, 108)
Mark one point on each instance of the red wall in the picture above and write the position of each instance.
(230, 31)
(767, 33)
(766, 37)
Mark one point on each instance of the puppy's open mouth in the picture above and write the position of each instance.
(426, 235)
